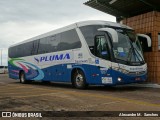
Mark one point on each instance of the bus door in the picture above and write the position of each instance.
(103, 54)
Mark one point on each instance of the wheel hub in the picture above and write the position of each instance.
(79, 80)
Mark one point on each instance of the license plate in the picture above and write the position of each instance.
(106, 80)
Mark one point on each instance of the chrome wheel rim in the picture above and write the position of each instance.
(79, 80)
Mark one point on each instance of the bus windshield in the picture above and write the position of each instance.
(126, 49)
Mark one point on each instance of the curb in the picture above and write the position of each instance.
(146, 85)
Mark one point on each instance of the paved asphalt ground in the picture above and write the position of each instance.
(37, 96)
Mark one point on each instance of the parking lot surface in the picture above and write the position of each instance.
(38, 96)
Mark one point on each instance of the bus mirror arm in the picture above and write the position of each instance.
(99, 67)
(112, 32)
(147, 37)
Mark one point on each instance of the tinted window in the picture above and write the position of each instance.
(49, 44)
(101, 47)
(43, 46)
(89, 33)
(53, 42)
(27, 48)
(62, 41)
(21, 50)
(34, 49)
(69, 40)
(12, 52)
(1, 66)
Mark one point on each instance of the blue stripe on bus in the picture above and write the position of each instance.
(93, 74)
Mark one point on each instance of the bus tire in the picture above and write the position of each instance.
(23, 78)
(79, 80)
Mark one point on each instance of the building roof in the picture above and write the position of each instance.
(125, 8)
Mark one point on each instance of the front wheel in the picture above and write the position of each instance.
(79, 80)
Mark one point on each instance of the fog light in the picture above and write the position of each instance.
(119, 79)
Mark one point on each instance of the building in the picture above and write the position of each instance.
(144, 17)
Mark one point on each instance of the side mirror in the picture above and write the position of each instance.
(113, 33)
(145, 37)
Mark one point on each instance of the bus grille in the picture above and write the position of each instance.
(137, 73)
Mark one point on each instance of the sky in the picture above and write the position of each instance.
(24, 19)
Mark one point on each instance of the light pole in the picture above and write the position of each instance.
(1, 57)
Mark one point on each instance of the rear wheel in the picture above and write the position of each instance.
(79, 80)
(23, 78)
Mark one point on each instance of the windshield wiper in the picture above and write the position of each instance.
(127, 62)
(134, 50)
(129, 55)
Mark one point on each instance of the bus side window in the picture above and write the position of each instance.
(53, 42)
(35, 47)
(101, 47)
(69, 40)
(43, 46)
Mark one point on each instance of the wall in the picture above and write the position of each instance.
(149, 23)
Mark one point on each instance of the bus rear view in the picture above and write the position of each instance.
(96, 53)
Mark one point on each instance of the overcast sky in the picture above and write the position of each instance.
(23, 19)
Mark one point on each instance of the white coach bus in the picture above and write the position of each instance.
(84, 53)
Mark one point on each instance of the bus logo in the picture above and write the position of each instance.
(36, 60)
(53, 58)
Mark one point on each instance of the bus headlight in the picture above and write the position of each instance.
(119, 79)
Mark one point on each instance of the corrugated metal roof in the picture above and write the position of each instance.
(124, 8)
